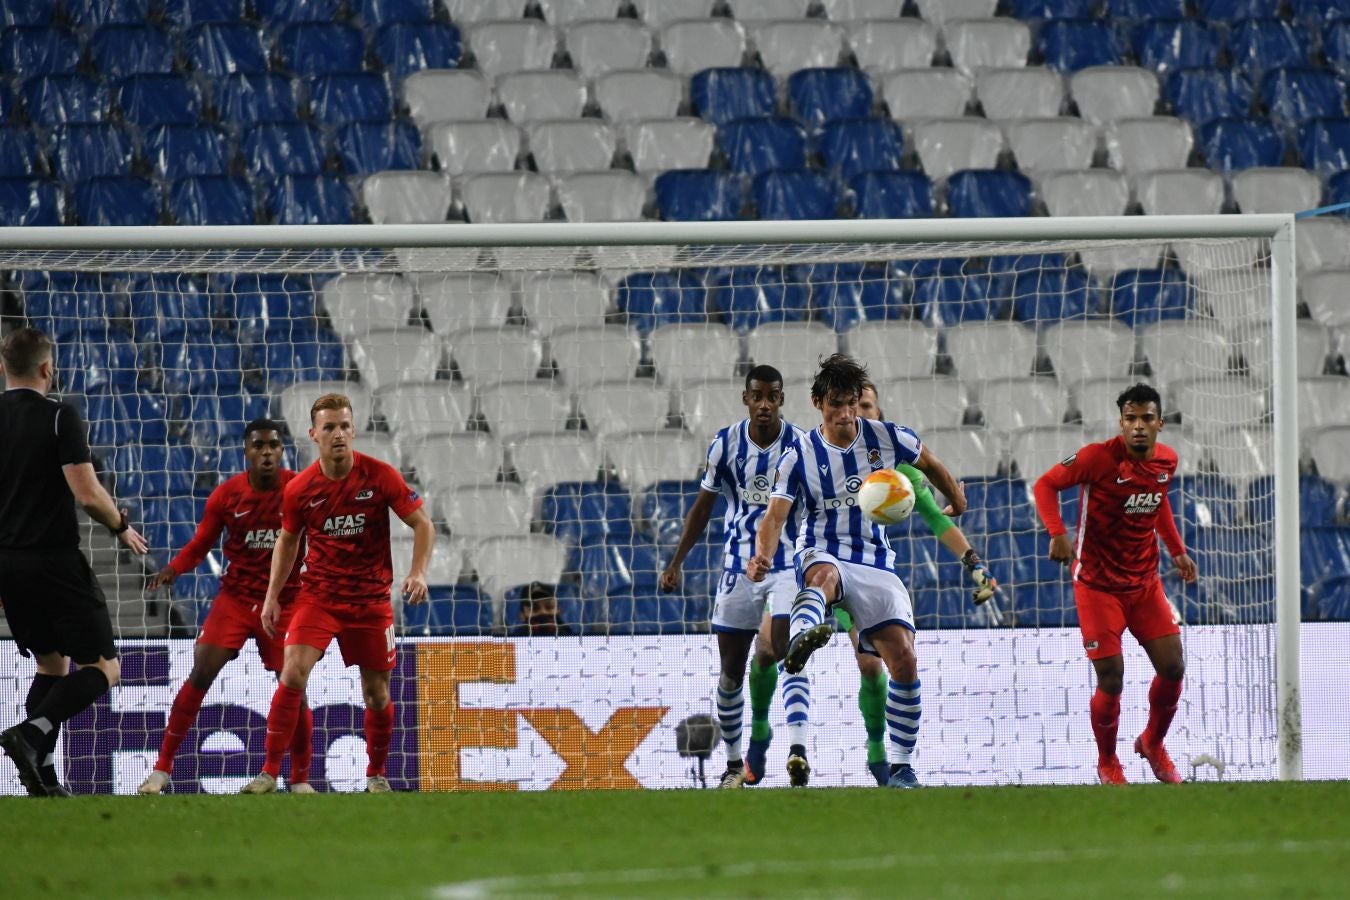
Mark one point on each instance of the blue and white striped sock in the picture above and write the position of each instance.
(797, 704)
(730, 712)
(808, 611)
(902, 720)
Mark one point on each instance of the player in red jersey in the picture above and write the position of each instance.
(341, 505)
(247, 508)
(1115, 571)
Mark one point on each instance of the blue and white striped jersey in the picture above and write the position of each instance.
(825, 480)
(743, 472)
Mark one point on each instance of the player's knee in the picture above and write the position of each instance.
(869, 666)
(1110, 676)
(1173, 670)
(375, 694)
(729, 682)
(823, 577)
(293, 677)
(764, 658)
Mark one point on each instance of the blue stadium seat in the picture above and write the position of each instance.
(750, 297)
(1259, 45)
(699, 195)
(1324, 145)
(849, 147)
(450, 611)
(653, 299)
(8, 105)
(26, 12)
(126, 200)
(321, 48)
(192, 363)
(1325, 552)
(1314, 13)
(1204, 500)
(90, 151)
(218, 49)
(1232, 10)
(1069, 45)
(97, 13)
(1039, 590)
(157, 470)
(282, 11)
(258, 303)
(186, 13)
(119, 51)
(762, 144)
(951, 299)
(1231, 145)
(1051, 9)
(212, 200)
(53, 100)
(820, 96)
(168, 304)
(665, 505)
(20, 155)
(1167, 44)
(109, 419)
(845, 294)
(794, 194)
(1004, 505)
(179, 151)
(149, 100)
(617, 569)
(1202, 95)
(703, 568)
(39, 50)
(721, 95)
(1316, 501)
(365, 148)
(585, 511)
(310, 200)
(407, 47)
(1338, 189)
(215, 420)
(1053, 294)
(1336, 46)
(343, 99)
(246, 100)
(303, 356)
(375, 13)
(1294, 95)
(108, 361)
(892, 195)
(284, 150)
(1333, 599)
(1144, 296)
(988, 193)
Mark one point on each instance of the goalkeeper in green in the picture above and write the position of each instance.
(872, 690)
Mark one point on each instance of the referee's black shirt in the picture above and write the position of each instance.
(38, 436)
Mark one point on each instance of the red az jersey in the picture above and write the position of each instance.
(1124, 504)
(250, 519)
(346, 522)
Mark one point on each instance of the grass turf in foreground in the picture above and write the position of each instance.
(1193, 841)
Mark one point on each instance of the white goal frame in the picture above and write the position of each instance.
(1278, 229)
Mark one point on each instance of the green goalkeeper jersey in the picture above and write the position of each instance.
(924, 504)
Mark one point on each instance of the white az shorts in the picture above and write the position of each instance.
(741, 603)
(874, 597)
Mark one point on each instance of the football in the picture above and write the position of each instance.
(886, 497)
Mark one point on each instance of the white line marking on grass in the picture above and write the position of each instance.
(509, 885)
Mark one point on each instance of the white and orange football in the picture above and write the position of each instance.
(886, 497)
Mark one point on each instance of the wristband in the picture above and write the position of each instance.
(970, 559)
(122, 526)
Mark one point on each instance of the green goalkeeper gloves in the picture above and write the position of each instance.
(985, 584)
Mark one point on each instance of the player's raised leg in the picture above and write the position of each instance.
(1163, 695)
(207, 661)
(807, 629)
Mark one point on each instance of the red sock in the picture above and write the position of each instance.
(1105, 721)
(1163, 695)
(379, 729)
(281, 718)
(182, 714)
(302, 746)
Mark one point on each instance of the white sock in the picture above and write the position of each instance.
(808, 611)
(797, 704)
(902, 720)
(730, 712)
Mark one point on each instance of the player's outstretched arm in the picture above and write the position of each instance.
(694, 525)
(101, 507)
(284, 552)
(767, 538)
(943, 480)
(414, 587)
(195, 550)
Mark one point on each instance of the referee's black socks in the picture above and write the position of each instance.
(63, 701)
(37, 692)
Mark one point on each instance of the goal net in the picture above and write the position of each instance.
(554, 407)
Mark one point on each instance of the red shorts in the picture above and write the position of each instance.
(364, 632)
(1103, 617)
(232, 621)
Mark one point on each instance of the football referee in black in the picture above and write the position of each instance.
(54, 605)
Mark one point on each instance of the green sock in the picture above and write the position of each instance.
(872, 703)
(762, 685)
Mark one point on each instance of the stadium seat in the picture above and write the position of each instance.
(244, 100)
(151, 470)
(642, 459)
(1180, 192)
(913, 95)
(406, 197)
(148, 100)
(794, 194)
(581, 512)
(181, 151)
(506, 562)
(279, 12)
(447, 461)
(486, 356)
(707, 406)
(1052, 9)
(1177, 349)
(311, 355)
(1333, 599)
(767, 10)
(750, 297)
(986, 43)
(1091, 192)
(556, 300)
(194, 362)
(1071, 44)
(471, 147)
(1327, 449)
(27, 12)
(343, 99)
(821, 96)
(1324, 295)
(1083, 350)
(968, 452)
(366, 147)
(895, 351)
(1259, 45)
(692, 45)
(1284, 190)
(97, 13)
(613, 196)
(1004, 505)
(656, 13)
(1164, 45)
(407, 47)
(859, 10)
(496, 197)
(1336, 46)
(885, 46)
(417, 410)
(52, 100)
(950, 299)
(450, 611)
(320, 48)
(387, 358)
(1145, 296)
(40, 50)
(615, 407)
(987, 193)
(1053, 295)
(1322, 401)
(1017, 403)
(626, 95)
(1105, 93)
(789, 45)
(653, 299)
(285, 150)
(542, 461)
(1324, 146)
(377, 13)
(1035, 450)
(1230, 145)
(721, 95)
(309, 200)
(125, 200)
(849, 147)
(587, 356)
(531, 96)
(79, 152)
(357, 304)
(1323, 243)
(924, 403)
(846, 294)
(454, 302)
(484, 511)
(606, 44)
(685, 352)
(1025, 93)
(443, 96)
(1144, 145)
(20, 154)
(1049, 145)
(950, 145)
(502, 47)
(892, 195)
(1201, 95)
(470, 11)
(992, 350)
(1338, 189)
(571, 145)
(122, 50)
(186, 13)
(1210, 407)
(211, 200)
(1294, 95)
(777, 343)
(216, 420)
(699, 195)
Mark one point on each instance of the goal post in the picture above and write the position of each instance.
(944, 289)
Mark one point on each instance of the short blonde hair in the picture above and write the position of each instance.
(329, 401)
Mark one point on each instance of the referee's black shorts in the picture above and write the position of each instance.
(54, 604)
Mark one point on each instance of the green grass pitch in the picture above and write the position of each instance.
(1196, 840)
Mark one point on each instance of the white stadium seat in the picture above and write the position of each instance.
(1035, 450)
(465, 12)
(626, 95)
(1276, 190)
(1148, 144)
(446, 461)
(1106, 93)
(535, 96)
(986, 43)
(543, 460)
(634, 405)
(642, 458)
(1209, 405)
(789, 45)
(939, 11)
(857, 10)
(1323, 401)
(1314, 343)
(950, 145)
(926, 93)
(587, 356)
(886, 45)
(386, 358)
(484, 511)
(684, 353)
(600, 46)
(486, 356)
(1048, 145)
(797, 407)
(571, 145)
(1103, 263)
(1084, 350)
(711, 405)
(789, 344)
(434, 407)
(503, 47)
(1323, 243)
(895, 350)
(767, 10)
(1180, 192)
(990, 350)
(295, 402)
(440, 95)
(506, 562)
(467, 148)
(371, 443)
(566, 12)
(657, 145)
(1090, 192)
(923, 403)
(1016, 403)
(1329, 448)
(1178, 350)
(661, 12)
(1325, 294)
(498, 197)
(358, 304)
(443, 569)
(966, 452)
(561, 299)
(407, 198)
(1033, 92)
(1095, 400)
(1241, 454)
(692, 45)
(519, 408)
(459, 300)
(613, 196)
